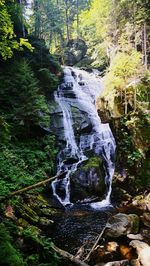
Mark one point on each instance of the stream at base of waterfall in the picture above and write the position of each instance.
(82, 88)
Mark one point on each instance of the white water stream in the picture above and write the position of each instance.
(84, 88)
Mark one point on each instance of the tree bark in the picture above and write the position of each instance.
(22, 22)
(145, 46)
(37, 18)
(77, 4)
(67, 20)
(125, 101)
(135, 96)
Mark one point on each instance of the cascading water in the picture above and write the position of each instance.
(82, 88)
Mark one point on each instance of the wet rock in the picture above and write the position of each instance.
(80, 120)
(136, 237)
(122, 224)
(85, 127)
(71, 160)
(88, 180)
(146, 219)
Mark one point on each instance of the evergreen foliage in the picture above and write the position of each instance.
(24, 164)
(25, 81)
(7, 36)
(117, 36)
(9, 255)
(20, 94)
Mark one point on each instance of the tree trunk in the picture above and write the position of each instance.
(22, 22)
(50, 38)
(77, 4)
(135, 97)
(67, 20)
(37, 18)
(145, 46)
(125, 101)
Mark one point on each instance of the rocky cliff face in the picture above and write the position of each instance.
(132, 133)
(82, 137)
(74, 52)
(81, 122)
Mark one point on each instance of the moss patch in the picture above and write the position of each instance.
(95, 162)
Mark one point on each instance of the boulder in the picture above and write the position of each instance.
(146, 219)
(122, 224)
(80, 120)
(143, 251)
(144, 257)
(136, 237)
(88, 180)
(75, 51)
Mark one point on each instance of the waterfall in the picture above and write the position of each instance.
(80, 88)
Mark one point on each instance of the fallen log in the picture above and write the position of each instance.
(32, 186)
(69, 256)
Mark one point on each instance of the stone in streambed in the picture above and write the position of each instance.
(143, 251)
(88, 180)
(122, 224)
(146, 219)
(136, 237)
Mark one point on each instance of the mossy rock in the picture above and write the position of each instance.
(45, 222)
(135, 222)
(27, 213)
(122, 224)
(94, 161)
(88, 180)
(48, 211)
